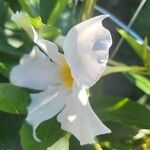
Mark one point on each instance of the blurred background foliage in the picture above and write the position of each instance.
(122, 96)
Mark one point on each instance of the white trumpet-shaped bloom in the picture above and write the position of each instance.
(65, 78)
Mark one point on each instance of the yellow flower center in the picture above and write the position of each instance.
(65, 74)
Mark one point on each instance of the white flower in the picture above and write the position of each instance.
(64, 79)
(23, 20)
(61, 144)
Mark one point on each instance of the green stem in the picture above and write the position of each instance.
(87, 9)
(26, 7)
(59, 7)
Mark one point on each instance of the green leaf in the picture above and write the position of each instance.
(142, 49)
(46, 31)
(48, 132)
(13, 99)
(32, 7)
(146, 53)
(49, 32)
(36, 22)
(10, 125)
(141, 82)
(122, 69)
(123, 111)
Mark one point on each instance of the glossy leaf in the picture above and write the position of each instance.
(48, 132)
(13, 99)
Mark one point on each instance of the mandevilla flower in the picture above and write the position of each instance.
(65, 79)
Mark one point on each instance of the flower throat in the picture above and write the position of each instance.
(65, 74)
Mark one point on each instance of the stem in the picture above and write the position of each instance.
(59, 7)
(26, 7)
(87, 9)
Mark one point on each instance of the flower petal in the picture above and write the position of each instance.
(22, 20)
(86, 50)
(60, 41)
(45, 105)
(35, 71)
(51, 50)
(79, 119)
